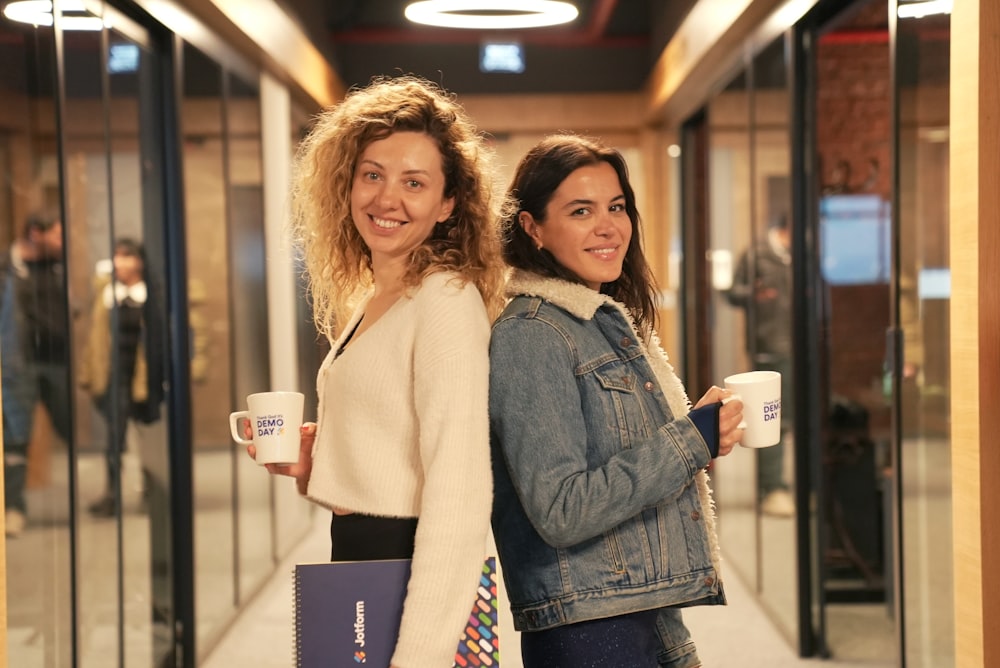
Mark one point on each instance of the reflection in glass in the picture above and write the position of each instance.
(113, 205)
(853, 146)
(249, 309)
(33, 321)
(295, 513)
(924, 296)
(767, 279)
(730, 207)
(211, 391)
(750, 236)
(88, 231)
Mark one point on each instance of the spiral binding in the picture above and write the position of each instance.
(297, 601)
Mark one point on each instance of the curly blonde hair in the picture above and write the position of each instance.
(337, 260)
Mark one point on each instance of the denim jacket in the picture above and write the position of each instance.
(601, 505)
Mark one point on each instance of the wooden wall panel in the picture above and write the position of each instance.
(975, 319)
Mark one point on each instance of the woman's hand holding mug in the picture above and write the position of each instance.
(730, 417)
(300, 470)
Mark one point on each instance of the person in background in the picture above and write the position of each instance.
(41, 290)
(34, 320)
(19, 393)
(393, 206)
(762, 286)
(117, 363)
(603, 515)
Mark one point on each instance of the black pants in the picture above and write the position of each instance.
(359, 537)
(625, 640)
(15, 475)
(117, 425)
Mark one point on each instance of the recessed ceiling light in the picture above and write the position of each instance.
(918, 10)
(489, 15)
(39, 13)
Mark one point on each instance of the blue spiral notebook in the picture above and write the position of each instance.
(347, 614)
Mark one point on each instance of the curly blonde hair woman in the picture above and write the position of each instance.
(394, 209)
(338, 261)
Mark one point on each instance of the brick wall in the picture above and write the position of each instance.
(853, 129)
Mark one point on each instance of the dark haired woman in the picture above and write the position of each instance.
(602, 513)
(116, 363)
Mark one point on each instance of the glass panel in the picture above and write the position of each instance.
(114, 203)
(249, 336)
(853, 142)
(730, 206)
(140, 352)
(924, 297)
(33, 308)
(296, 514)
(764, 284)
(211, 393)
(88, 165)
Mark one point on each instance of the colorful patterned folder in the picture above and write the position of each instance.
(347, 614)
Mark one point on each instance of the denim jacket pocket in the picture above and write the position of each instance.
(623, 409)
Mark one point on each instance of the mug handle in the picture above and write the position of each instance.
(234, 426)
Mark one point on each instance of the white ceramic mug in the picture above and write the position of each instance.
(276, 420)
(760, 392)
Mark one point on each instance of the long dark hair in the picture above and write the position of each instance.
(536, 179)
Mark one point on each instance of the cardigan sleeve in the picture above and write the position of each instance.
(450, 386)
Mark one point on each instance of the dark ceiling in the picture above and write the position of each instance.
(611, 46)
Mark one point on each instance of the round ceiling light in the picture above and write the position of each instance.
(39, 13)
(489, 15)
(922, 8)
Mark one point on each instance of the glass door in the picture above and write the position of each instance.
(765, 276)
(920, 372)
(859, 167)
(749, 257)
(730, 232)
(853, 239)
(34, 315)
(880, 81)
(112, 165)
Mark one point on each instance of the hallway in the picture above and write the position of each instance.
(738, 634)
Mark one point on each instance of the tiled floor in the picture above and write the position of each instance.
(115, 590)
(739, 634)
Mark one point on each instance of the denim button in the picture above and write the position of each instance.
(696, 516)
(626, 342)
(649, 385)
(709, 581)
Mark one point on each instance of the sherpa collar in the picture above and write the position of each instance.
(579, 300)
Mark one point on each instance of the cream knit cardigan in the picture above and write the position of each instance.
(403, 431)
